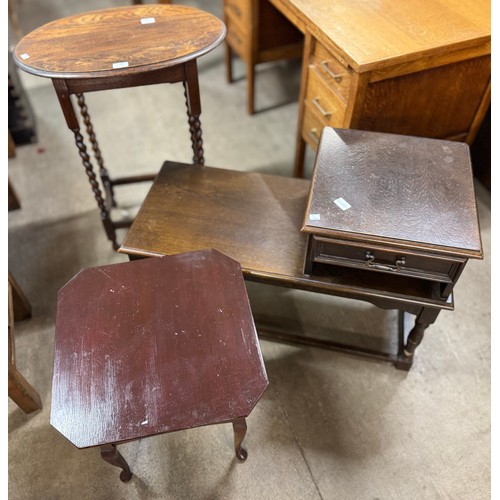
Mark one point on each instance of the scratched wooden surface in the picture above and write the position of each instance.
(89, 44)
(407, 189)
(154, 346)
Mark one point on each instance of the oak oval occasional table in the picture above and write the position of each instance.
(154, 346)
(118, 48)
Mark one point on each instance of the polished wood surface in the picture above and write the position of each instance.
(403, 191)
(255, 219)
(395, 206)
(412, 68)
(377, 34)
(251, 217)
(154, 346)
(97, 43)
(120, 48)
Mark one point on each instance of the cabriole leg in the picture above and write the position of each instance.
(240, 430)
(110, 453)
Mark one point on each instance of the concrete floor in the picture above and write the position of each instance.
(331, 425)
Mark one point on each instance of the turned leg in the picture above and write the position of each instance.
(63, 95)
(110, 453)
(415, 337)
(103, 172)
(426, 317)
(193, 104)
(240, 429)
(89, 170)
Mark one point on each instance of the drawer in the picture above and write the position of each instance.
(336, 74)
(239, 11)
(324, 101)
(380, 259)
(237, 39)
(312, 127)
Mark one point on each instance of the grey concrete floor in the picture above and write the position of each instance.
(331, 425)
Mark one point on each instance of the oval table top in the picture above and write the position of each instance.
(119, 41)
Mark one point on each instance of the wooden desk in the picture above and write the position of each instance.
(256, 219)
(138, 355)
(415, 68)
(118, 48)
(258, 33)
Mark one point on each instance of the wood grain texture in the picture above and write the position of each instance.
(255, 219)
(152, 346)
(88, 45)
(403, 31)
(415, 68)
(406, 105)
(402, 190)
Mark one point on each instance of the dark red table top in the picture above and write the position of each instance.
(152, 346)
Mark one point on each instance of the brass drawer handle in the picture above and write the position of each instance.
(396, 267)
(313, 134)
(326, 114)
(336, 77)
(235, 9)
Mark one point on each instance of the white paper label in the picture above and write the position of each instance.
(314, 217)
(341, 203)
(24, 56)
(122, 64)
(148, 20)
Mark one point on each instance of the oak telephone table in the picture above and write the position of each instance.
(257, 219)
(118, 48)
(154, 346)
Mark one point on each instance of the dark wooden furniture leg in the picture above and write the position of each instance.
(20, 390)
(193, 103)
(110, 453)
(103, 172)
(240, 430)
(424, 319)
(228, 55)
(72, 122)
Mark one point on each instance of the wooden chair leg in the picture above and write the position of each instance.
(14, 203)
(22, 392)
(20, 304)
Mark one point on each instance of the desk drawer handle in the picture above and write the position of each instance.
(337, 77)
(326, 114)
(313, 134)
(235, 9)
(396, 267)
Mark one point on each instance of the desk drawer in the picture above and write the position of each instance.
(325, 102)
(312, 126)
(237, 39)
(336, 75)
(380, 259)
(240, 11)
